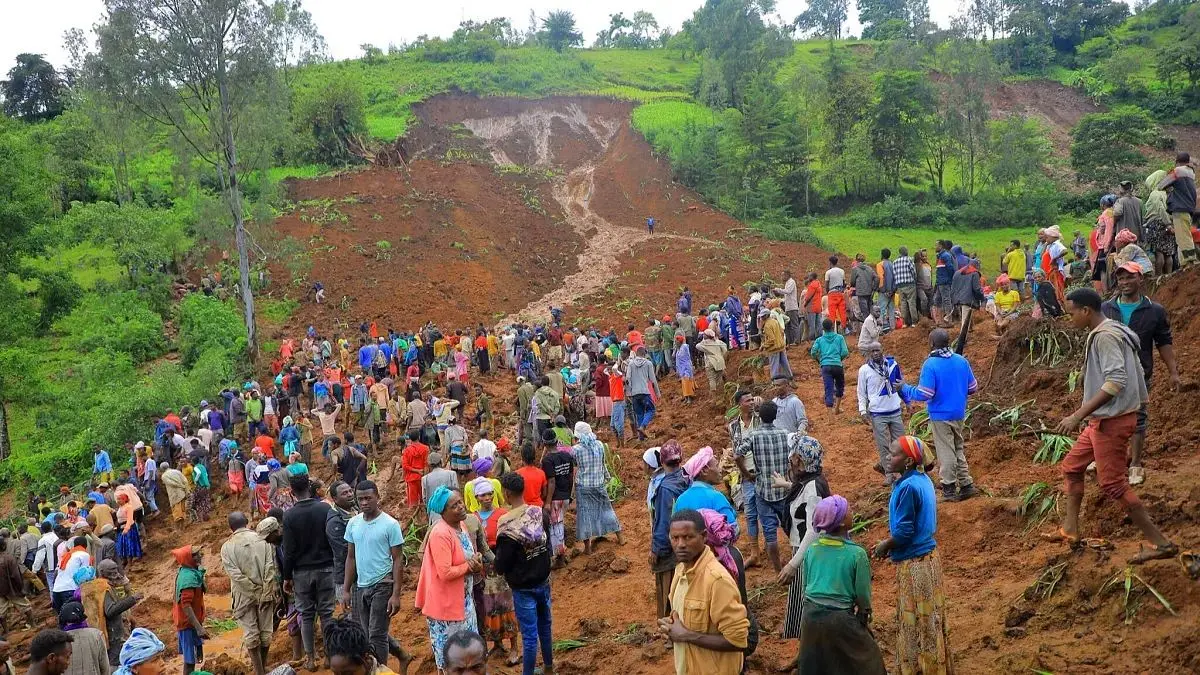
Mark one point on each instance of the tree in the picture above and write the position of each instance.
(971, 73)
(558, 31)
(904, 100)
(736, 42)
(1104, 145)
(33, 90)
(644, 29)
(209, 71)
(892, 19)
(824, 18)
(848, 93)
(328, 114)
(611, 36)
(1022, 150)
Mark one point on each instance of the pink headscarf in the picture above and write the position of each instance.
(697, 462)
(1125, 237)
(718, 534)
(830, 513)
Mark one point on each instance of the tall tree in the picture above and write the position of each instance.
(824, 18)
(610, 37)
(736, 42)
(971, 74)
(904, 103)
(848, 99)
(33, 90)
(644, 29)
(558, 31)
(209, 71)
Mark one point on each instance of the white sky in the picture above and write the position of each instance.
(38, 27)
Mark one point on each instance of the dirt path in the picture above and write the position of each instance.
(598, 262)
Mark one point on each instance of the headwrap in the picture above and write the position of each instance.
(273, 464)
(718, 534)
(830, 513)
(1053, 232)
(297, 469)
(140, 647)
(1126, 237)
(650, 457)
(83, 575)
(679, 337)
(1108, 200)
(288, 421)
(438, 500)
(670, 451)
(697, 462)
(188, 575)
(482, 466)
(583, 431)
(808, 449)
(915, 449)
(482, 486)
(71, 616)
(1002, 279)
(267, 526)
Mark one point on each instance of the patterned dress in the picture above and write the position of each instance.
(440, 631)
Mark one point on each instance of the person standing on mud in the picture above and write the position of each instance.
(880, 398)
(308, 563)
(946, 382)
(662, 558)
(1114, 390)
(768, 445)
(1149, 320)
(773, 344)
(791, 305)
(640, 384)
(249, 561)
(650, 223)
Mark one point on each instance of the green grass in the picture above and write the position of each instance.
(279, 173)
(663, 123)
(89, 263)
(654, 69)
(387, 127)
(277, 311)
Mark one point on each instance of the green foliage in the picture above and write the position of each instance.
(1031, 205)
(57, 293)
(1104, 145)
(209, 324)
(119, 322)
(328, 116)
(558, 31)
(34, 89)
(895, 212)
(145, 239)
(24, 190)
(904, 103)
(1022, 150)
(277, 311)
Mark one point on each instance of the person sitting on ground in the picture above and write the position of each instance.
(1004, 307)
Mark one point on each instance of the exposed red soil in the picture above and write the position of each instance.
(989, 554)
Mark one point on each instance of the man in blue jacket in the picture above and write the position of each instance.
(946, 381)
(662, 556)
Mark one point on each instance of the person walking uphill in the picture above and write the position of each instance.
(923, 634)
(249, 560)
(709, 626)
(640, 384)
(308, 563)
(594, 515)
(444, 589)
(714, 352)
(188, 610)
(523, 558)
(946, 381)
(830, 351)
(768, 445)
(1114, 389)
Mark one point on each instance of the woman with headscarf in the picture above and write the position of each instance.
(445, 585)
(202, 494)
(177, 490)
(499, 619)
(1100, 244)
(262, 487)
(118, 599)
(923, 635)
(807, 487)
(279, 491)
(836, 574)
(704, 470)
(1157, 226)
(129, 541)
(187, 613)
(289, 436)
(142, 654)
(683, 368)
(455, 438)
(235, 472)
(89, 652)
(719, 536)
(594, 515)
(483, 470)
(1127, 251)
(652, 464)
(1054, 262)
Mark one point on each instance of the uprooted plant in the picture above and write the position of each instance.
(1037, 503)
(1131, 599)
(1051, 345)
(1047, 582)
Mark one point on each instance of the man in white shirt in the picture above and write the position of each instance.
(205, 435)
(484, 448)
(880, 400)
(47, 554)
(792, 306)
(64, 582)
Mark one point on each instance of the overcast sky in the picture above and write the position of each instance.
(38, 27)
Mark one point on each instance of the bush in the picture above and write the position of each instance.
(896, 212)
(1032, 206)
(115, 321)
(1104, 145)
(206, 323)
(327, 115)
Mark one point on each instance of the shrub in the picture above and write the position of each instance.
(207, 323)
(1104, 145)
(118, 321)
(328, 113)
(896, 212)
(1031, 206)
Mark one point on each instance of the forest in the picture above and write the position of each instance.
(127, 169)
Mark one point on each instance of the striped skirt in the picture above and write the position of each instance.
(594, 515)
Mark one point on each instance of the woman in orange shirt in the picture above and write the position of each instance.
(446, 582)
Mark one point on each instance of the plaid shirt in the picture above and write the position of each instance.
(904, 270)
(768, 445)
(592, 472)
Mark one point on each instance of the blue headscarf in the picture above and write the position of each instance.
(273, 464)
(141, 646)
(84, 575)
(438, 500)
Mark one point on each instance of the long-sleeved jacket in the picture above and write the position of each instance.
(1111, 364)
(714, 353)
(790, 302)
(549, 403)
(249, 561)
(878, 395)
(524, 396)
(772, 337)
(712, 605)
(965, 287)
(946, 381)
(864, 280)
(640, 377)
(673, 484)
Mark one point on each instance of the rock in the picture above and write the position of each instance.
(1015, 632)
(619, 565)
(1017, 616)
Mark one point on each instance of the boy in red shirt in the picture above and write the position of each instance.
(188, 611)
(414, 460)
(616, 391)
(812, 304)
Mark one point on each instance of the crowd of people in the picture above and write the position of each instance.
(487, 498)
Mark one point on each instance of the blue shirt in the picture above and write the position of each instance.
(97, 496)
(912, 516)
(366, 354)
(945, 383)
(701, 495)
(373, 541)
(1127, 310)
(102, 462)
(945, 268)
(673, 484)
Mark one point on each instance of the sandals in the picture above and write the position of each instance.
(1060, 536)
(1145, 555)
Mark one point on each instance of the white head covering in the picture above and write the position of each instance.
(650, 457)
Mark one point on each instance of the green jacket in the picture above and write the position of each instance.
(830, 349)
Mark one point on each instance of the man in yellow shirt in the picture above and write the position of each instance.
(1005, 303)
(709, 625)
(1014, 266)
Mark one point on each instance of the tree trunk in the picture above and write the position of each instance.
(5, 444)
(234, 194)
